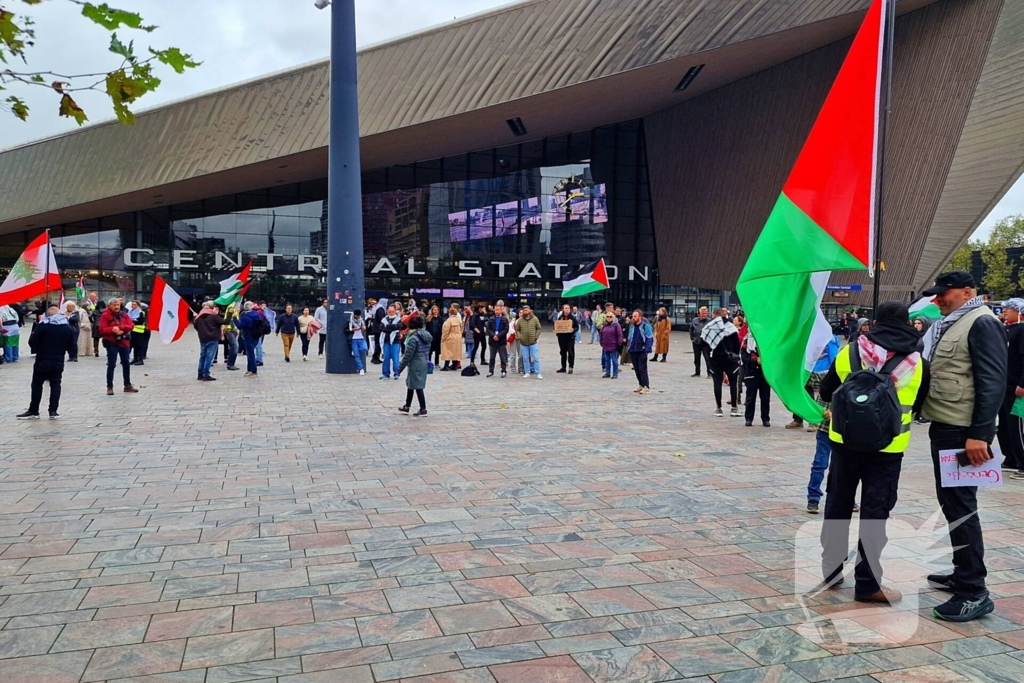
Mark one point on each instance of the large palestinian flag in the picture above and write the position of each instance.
(588, 279)
(168, 312)
(824, 220)
(34, 274)
(234, 288)
(925, 308)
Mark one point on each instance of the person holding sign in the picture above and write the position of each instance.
(566, 327)
(1011, 431)
(967, 350)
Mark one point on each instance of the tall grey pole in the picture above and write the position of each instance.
(345, 279)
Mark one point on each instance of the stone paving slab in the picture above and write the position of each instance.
(297, 528)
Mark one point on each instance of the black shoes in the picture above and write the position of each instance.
(766, 423)
(28, 415)
(884, 596)
(404, 409)
(942, 582)
(605, 376)
(490, 374)
(562, 371)
(748, 423)
(209, 379)
(812, 507)
(570, 371)
(503, 375)
(696, 374)
(54, 415)
(422, 412)
(962, 608)
(287, 359)
(259, 363)
(231, 367)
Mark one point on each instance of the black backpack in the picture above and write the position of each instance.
(260, 327)
(470, 371)
(866, 409)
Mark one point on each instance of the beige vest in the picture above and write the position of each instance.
(951, 394)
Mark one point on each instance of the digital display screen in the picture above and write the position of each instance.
(581, 205)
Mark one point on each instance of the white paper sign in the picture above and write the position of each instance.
(988, 474)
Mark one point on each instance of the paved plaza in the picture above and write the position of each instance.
(297, 528)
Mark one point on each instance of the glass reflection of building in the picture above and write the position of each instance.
(567, 199)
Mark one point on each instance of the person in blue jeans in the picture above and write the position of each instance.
(357, 326)
(208, 325)
(822, 446)
(245, 326)
(611, 339)
(528, 332)
(390, 329)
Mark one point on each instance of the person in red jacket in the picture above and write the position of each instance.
(116, 332)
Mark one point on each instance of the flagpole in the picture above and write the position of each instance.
(49, 251)
(883, 124)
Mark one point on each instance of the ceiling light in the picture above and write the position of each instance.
(688, 78)
(516, 124)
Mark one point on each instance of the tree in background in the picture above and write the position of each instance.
(1003, 278)
(963, 259)
(124, 85)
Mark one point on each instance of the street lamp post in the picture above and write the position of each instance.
(345, 279)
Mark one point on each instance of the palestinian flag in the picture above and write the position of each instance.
(824, 220)
(233, 288)
(925, 308)
(34, 274)
(168, 312)
(80, 288)
(588, 279)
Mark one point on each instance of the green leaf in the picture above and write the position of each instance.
(175, 58)
(70, 109)
(37, 78)
(119, 48)
(112, 18)
(18, 107)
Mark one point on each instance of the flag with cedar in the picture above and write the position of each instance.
(34, 274)
(168, 312)
(824, 220)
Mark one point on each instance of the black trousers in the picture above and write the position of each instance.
(323, 343)
(960, 505)
(879, 477)
(481, 346)
(567, 349)
(757, 386)
(716, 376)
(46, 372)
(1011, 434)
(499, 350)
(640, 368)
(419, 397)
(136, 346)
(700, 349)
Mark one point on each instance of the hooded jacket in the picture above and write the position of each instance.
(51, 339)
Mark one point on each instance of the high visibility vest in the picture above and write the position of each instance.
(140, 324)
(907, 396)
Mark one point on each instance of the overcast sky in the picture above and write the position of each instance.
(236, 40)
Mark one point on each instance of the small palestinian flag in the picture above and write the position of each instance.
(168, 312)
(588, 279)
(233, 288)
(80, 288)
(925, 308)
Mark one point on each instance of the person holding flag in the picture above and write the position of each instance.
(208, 325)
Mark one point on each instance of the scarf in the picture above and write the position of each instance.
(874, 357)
(717, 330)
(55, 319)
(751, 343)
(939, 328)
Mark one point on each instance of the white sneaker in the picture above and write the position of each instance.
(362, 372)
(304, 359)
(540, 376)
(526, 375)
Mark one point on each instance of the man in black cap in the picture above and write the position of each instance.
(967, 351)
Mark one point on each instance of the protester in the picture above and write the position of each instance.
(1011, 429)
(357, 328)
(567, 340)
(116, 330)
(497, 333)
(265, 329)
(251, 325)
(528, 333)
(968, 353)
(580, 320)
(451, 340)
(94, 318)
(434, 324)
(478, 324)
(229, 333)
(640, 341)
(863, 327)
(515, 359)
(700, 348)
(757, 385)
(921, 325)
(379, 311)
(889, 352)
(10, 330)
(286, 326)
(138, 335)
(74, 320)
(390, 341)
(662, 331)
(208, 324)
(822, 445)
(611, 340)
(84, 329)
(417, 359)
(723, 341)
(596, 322)
(321, 318)
(50, 340)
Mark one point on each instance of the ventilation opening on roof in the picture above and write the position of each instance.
(688, 78)
(516, 124)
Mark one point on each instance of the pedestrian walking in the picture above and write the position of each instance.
(968, 355)
(757, 385)
(208, 324)
(287, 326)
(1011, 427)
(700, 347)
(567, 340)
(498, 326)
(528, 333)
(51, 339)
(304, 320)
(875, 385)
(417, 359)
(639, 344)
(116, 330)
(662, 331)
(321, 318)
(74, 320)
(723, 340)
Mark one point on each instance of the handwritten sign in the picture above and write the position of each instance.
(953, 474)
(563, 327)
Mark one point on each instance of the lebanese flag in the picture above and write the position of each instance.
(34, 274)
(824, 220)
(168, 312)
(588, 279)
(234, 288)
(925, 308)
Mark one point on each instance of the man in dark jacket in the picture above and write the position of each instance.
(478, 324)
(700, 349)
(287, 328)
(208, 324)
(723, 341)
(378, 316)
(1011, 431)
(497, 332)
(51, 339)
(567, 340)
(116, 332)
(967, 351)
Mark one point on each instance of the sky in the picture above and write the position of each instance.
(235, 40)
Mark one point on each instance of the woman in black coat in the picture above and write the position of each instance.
(434, 324)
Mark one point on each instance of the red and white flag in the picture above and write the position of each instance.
(34, 274)
(168, 312)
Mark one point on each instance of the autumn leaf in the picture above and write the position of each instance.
(18, 107)
(175, 58)
(111, 18)
(70, 109)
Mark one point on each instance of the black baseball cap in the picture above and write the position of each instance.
(955, 279)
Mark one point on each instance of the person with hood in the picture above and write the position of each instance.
(700, 348)
(250, 325)
(116, 329)
(50, 340)
(567, 340)
(1011, 431)
(208, 324)
(662, 330)
(723, 340)
(863, 327)
(390, 331)
(921, 324)
(639, 342)
(10, 333)
(888, 349)
(417, 359)
(451, 340)
(757, 385)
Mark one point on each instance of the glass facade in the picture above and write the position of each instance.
(500, 223)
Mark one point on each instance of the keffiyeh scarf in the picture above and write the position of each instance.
(717, 330)
(874, 357)
(935, 332)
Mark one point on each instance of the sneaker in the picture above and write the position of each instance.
(766, 423)
(287, 359)
(884, 596)
(54, 414)
(304, 359)
(1017, 475)
(696, 374)
(748, 423)
(209, 379)
(422, 412)
(963, 608)
(719, 413)
(734, 412)
(560, 372)
(615, 376)
(259, 364)
(214, 363)
(540, 376)
(110, 391)
(231, 367)
(129, 389)
(503, 374)
(942, 582)
(638, 390)
(812, 507)
(605, 376)
(385, 377)
(362, 372)
(249, 374)
(490, 374)
(526, 375)
(27, 415)
(398, 377)
(645, 391)
(570, 371)
(404, 409)
(812, 428)
(795, 424)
